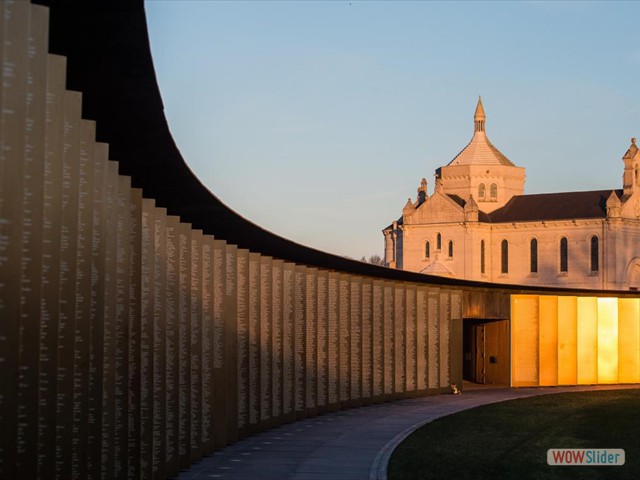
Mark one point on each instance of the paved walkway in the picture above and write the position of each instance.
(348, 445)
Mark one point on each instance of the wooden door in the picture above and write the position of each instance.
(496, 353)
(479, 335)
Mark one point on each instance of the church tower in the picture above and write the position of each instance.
(631, 176)
(481, 171)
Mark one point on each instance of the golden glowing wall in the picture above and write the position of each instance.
(574, 340)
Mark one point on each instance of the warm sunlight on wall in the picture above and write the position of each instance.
(574, 340)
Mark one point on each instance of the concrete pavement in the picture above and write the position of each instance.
(351, 444)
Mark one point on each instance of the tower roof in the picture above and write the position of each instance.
(479, 115)
(480, 151)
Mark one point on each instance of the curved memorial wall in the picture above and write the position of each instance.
(143, 323)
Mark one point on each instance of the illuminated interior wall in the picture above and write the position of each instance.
(628, 340)
(564, 340)
(548, 344)
(587, 340)
(567, 339)
(525, 351)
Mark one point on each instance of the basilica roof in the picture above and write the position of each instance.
(545, 206)
(480, 151)
(554, 206)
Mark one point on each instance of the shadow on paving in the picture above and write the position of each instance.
(345, 445)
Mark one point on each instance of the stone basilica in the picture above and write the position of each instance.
(479, 225)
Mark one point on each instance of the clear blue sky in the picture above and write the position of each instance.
(317, 120)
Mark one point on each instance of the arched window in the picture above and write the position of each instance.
(427, 250)
(505, 257)
(481, 190)
(450, 248)
(564, 254)
(494, 191)
(482, 256)
(595, 257)
(439, 242)
(534, 255)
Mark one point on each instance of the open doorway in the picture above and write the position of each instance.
(486, 353)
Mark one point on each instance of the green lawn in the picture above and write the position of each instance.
(511, 439)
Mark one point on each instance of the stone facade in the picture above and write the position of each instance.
(478, 224)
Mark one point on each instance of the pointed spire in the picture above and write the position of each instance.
(614, 205)
(408, 207)
(479, 117)
(613, 199)
(471, 210)
(471, 205)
